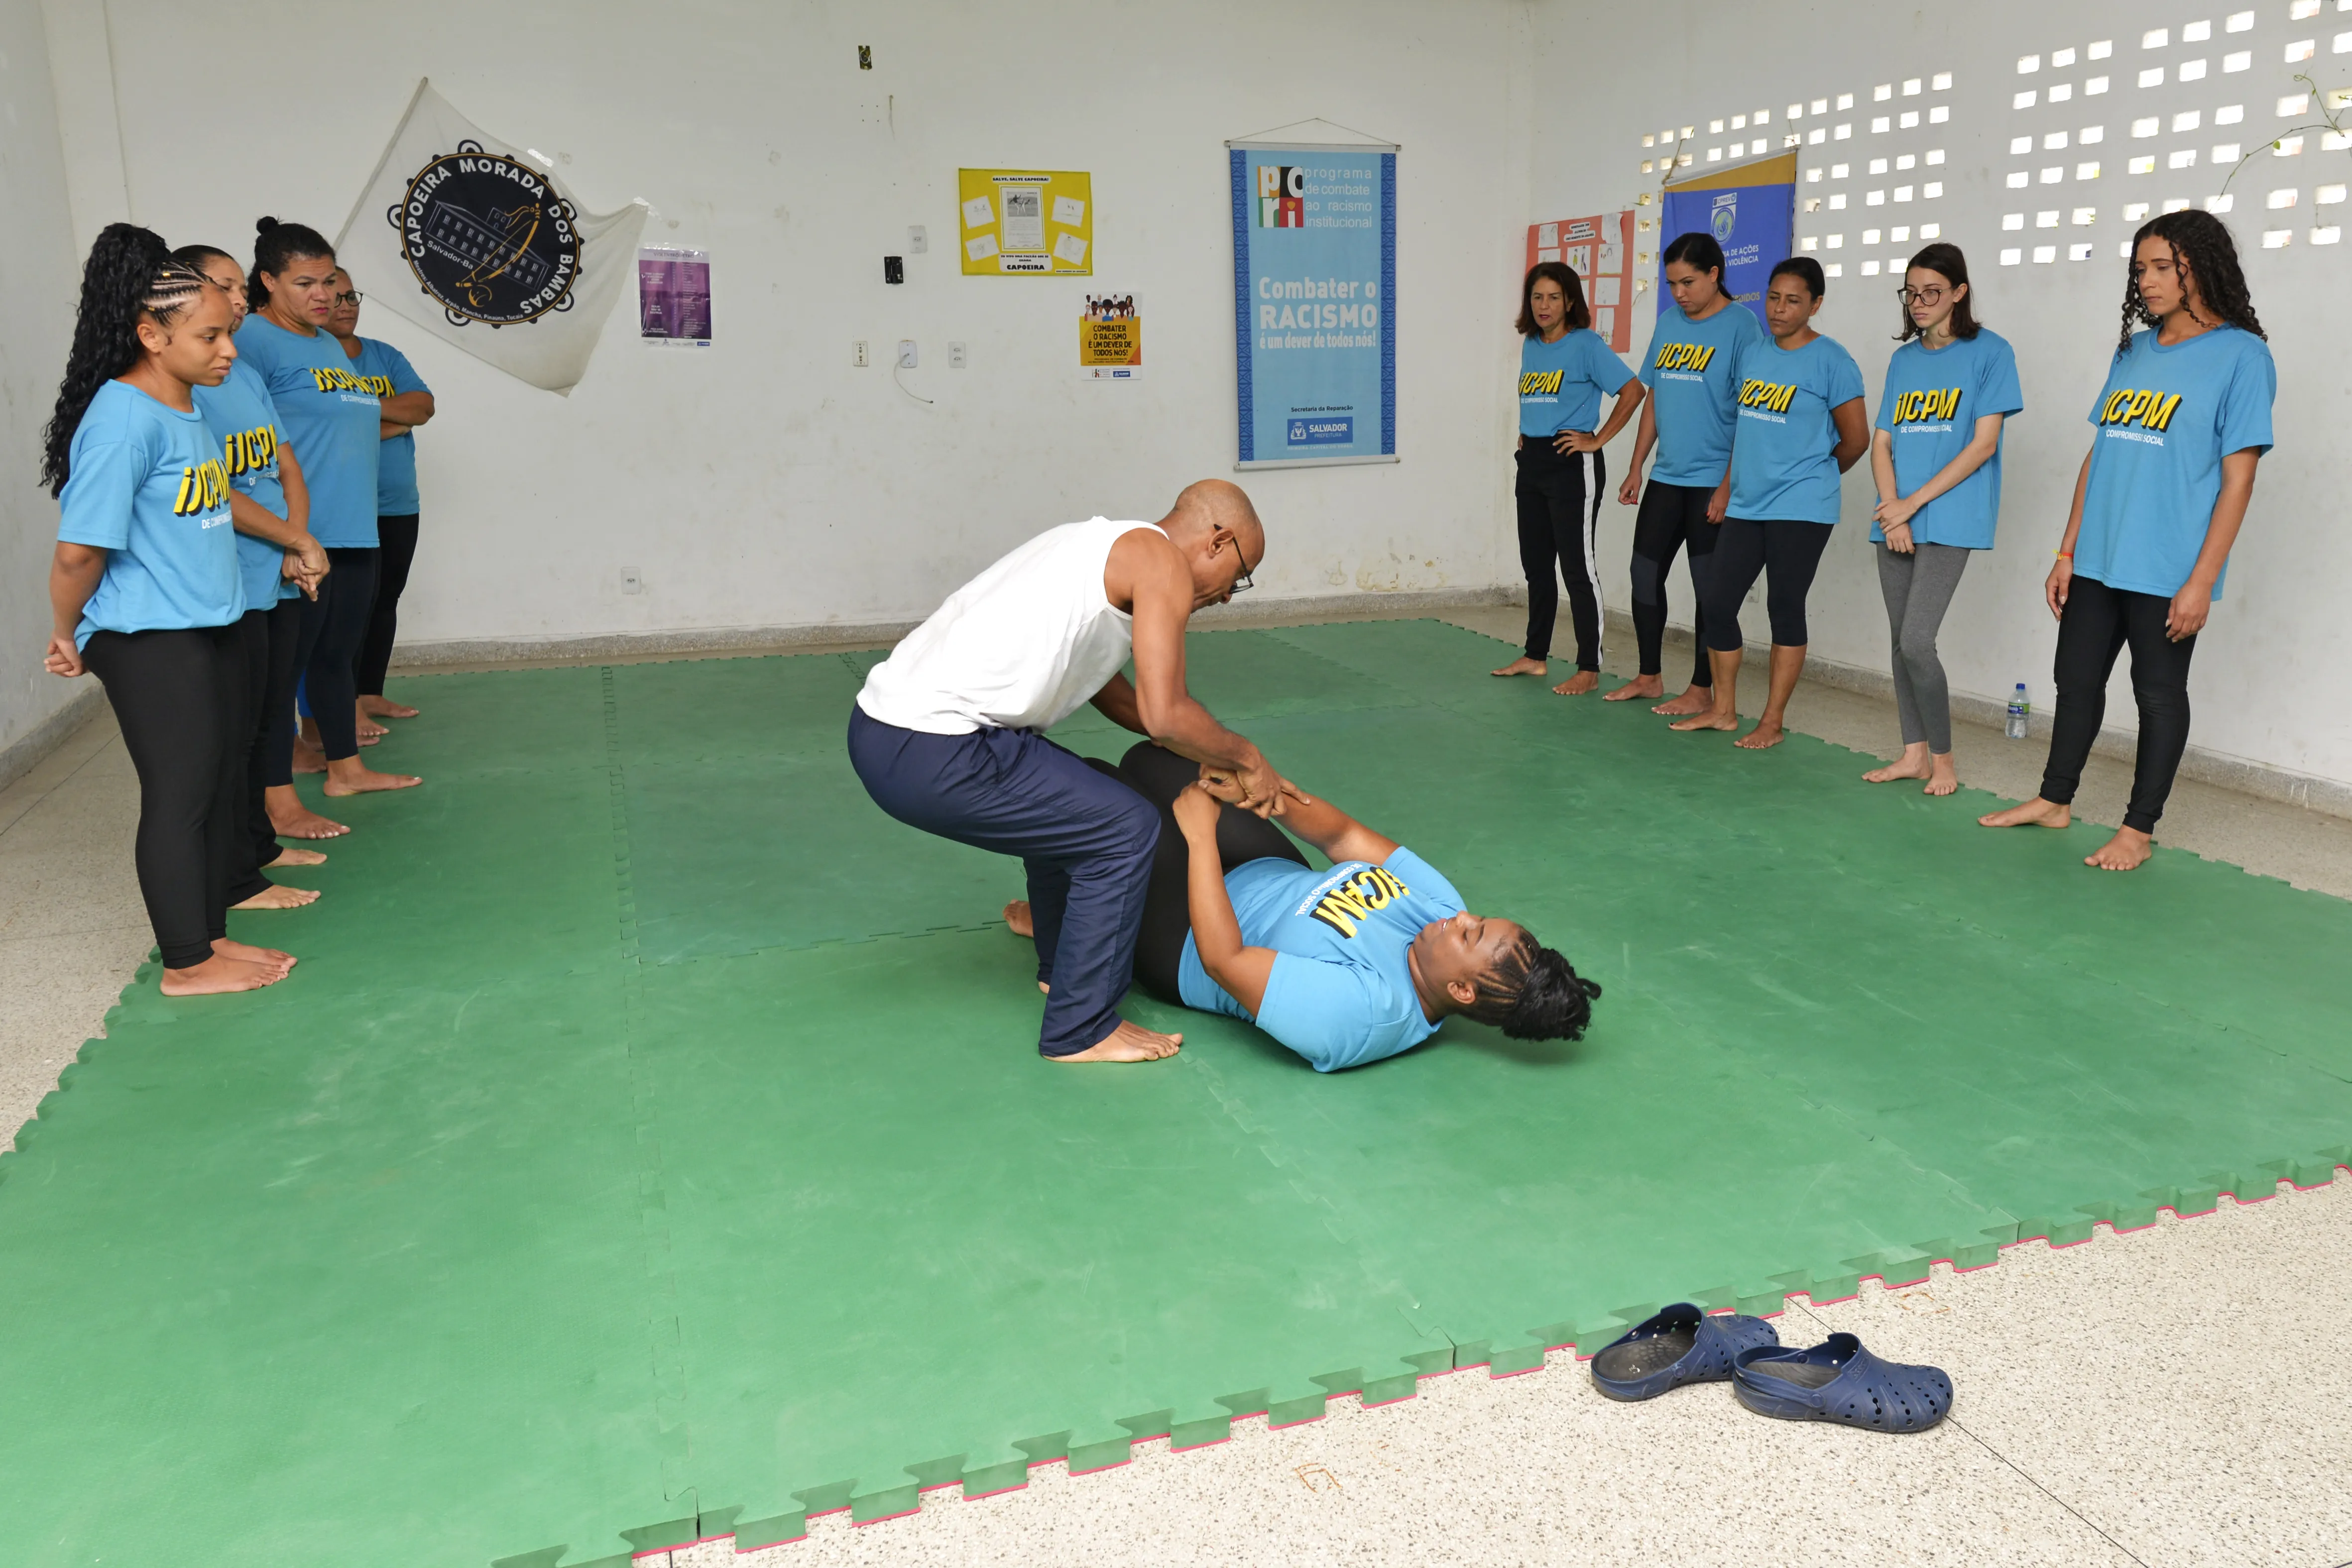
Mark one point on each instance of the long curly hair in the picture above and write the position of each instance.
(1533, 993)
(275, 244)
(2202, 247)
(131, 275)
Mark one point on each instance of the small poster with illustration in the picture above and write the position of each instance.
(674, 296)
(1110, 339)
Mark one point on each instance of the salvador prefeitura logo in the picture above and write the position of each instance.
(489, 238)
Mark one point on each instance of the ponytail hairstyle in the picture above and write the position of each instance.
(131, 275)
(1698, 251)
(1533, 993)
(275, 244)
(1946, 261)
(2202, 241)
(1580, 315)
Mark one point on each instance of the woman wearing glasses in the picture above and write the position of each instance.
(1936, 458)
(405, 403)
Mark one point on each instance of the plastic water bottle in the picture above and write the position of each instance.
(2018, 709)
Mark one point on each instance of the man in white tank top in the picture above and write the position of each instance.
(948, 735)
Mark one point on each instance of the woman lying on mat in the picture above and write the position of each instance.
(1344, 965)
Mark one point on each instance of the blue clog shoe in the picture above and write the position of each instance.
(1678, 1345)
(1837, 1380)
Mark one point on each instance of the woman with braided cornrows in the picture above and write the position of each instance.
(2180, 426)
(145, 591)
(333, 421)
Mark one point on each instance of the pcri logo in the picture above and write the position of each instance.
(1281, 196)
(1724, 217)
(487, 238)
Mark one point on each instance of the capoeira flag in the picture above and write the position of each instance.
(474, 241)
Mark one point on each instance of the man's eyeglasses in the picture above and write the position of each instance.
(1241, 584)
(1928, 297)
(352, 297)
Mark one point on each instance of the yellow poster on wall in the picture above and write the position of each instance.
(1026, 221)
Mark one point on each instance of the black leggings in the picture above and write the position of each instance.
(2097, 623)
(397, 551)
(1159, 775)
(1790, 550)
(328, 647)
(1672, 516)
(176, 695)
(270, 679)
(1558, 496)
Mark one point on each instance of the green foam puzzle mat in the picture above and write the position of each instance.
(652, 1146)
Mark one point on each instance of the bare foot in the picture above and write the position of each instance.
(287, 855)
(1639, 686)
(1946, 777)
(367, 727)
(1016, 916)
(348, 777)
(1765, 733)
(1128, 1042)
(1695, 699)
(1706, 718)
(2036, 812)
(1911, 764)
(2127, 850)
(309, 758)
(217, 976)
(247, 953)
(1520, 667)
(289, 818)
(278, 897)
(1577, 685)
(384, 707)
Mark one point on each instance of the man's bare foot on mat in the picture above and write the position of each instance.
(384, 707)
(217, 976)
(1577, 685)
(289, 818)
(1707, 718)
(2036, 812)
(1128, 1042)
(2127, 850)
(247, 953)
(1639, 686)
(1521, 666)
(346, 776)
(1695, 699)
(278, 897)
(287, 855)
(1767, 733)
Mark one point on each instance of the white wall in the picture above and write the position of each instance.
(767, 482)
(2281, 631)
(38, 280)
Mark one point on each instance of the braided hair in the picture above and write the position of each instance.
(1533, 993)
(2201, 241)
(131, 275)
(275, 244)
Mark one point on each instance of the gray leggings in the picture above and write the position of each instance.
(1919, 588)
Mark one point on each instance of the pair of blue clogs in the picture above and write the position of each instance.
(1837, 1380)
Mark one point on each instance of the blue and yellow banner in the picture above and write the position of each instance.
(1314, 303)
(1754, 223)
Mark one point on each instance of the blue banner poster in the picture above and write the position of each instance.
(1314, 302)
(1755, 224)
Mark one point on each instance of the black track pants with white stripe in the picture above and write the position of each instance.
(1558, 495)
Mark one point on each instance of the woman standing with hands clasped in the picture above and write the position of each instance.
(1565, 370)
(2178, 430)
(145, 591)
(1937, 460)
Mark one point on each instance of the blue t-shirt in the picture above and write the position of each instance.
(2166, 419)
(1929, 408)
(1561, 384)
(1341, 991)
(144, 483)
(1693, 385)
(1782, 465)
(388, 374)
(331, 420)
(241, 418)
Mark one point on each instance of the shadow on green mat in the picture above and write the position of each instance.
(652, 1146)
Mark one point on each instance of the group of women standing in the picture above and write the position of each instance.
(220, 475)
(1753, 426)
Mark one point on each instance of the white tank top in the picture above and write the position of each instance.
(1021, 646)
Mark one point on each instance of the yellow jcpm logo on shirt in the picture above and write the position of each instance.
(1374, 888)
(2148, 409)
(202, 488)
(1683, 357)
(249, 450)
(1767, 395)
(332, 380)
(1539, 383)
(1919, 407)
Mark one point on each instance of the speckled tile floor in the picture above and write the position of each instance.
(2172, 1397)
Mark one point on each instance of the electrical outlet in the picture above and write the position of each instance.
(631, 582)
(955, 356)
(906, 353)
(857, 354)
(918, 240)
(894, 269)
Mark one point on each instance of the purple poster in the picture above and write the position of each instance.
(674, 296)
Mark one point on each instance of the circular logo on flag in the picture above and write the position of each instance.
(489, 238)
(1723, 220)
